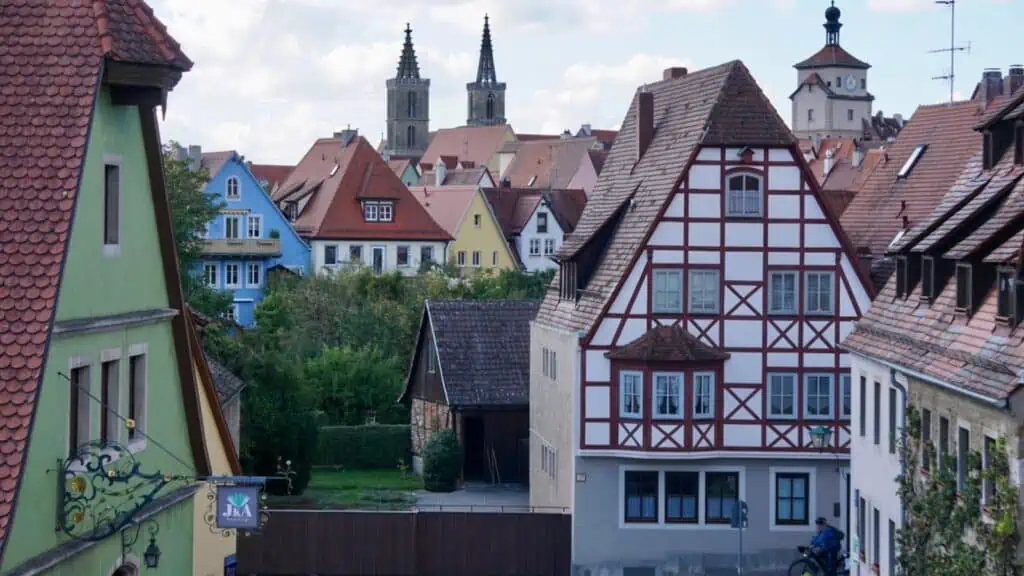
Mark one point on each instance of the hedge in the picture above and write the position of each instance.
(361, 447)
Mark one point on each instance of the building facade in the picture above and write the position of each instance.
(408, 106)
(485, 98)
(701, 315)
(537, 222)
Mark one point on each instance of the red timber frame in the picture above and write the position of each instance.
(786, 334)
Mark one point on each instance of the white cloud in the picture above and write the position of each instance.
(900, 5)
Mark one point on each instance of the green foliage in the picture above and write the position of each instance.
(513, 285)
(353, 386)
(364, 447)
(442, 461)
(941, 520)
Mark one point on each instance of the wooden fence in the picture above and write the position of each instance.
(342, 543)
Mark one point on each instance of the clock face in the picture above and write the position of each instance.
(851, 83)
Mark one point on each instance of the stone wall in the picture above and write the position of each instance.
(425, 418)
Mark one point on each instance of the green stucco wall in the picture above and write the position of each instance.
(98, 285)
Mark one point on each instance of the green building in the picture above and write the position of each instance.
(93, 336)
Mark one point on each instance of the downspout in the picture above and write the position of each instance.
(903, 435)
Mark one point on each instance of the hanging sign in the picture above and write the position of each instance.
(238, 507)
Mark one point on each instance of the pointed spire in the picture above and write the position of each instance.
(485, 73)
(408, 68)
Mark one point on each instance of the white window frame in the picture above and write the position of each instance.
(831, 292)
(743, 213)
(142, 405)
(238, 275)
(258, 220)
(796, 292)
(662, 469)
(549, 246)
(238, 188)
(476, 220)
(831, 396)
(812, 497)
(715, 291)
(328, 247)
(238, 226)
(654, 291)
(845, 389)
(207, 267)
(795, 379)
(248, 275)
(680, 379)
(113, 250)
(639, 394)
(386, 212)
(370, 211)
(534, 246)
(711, 396)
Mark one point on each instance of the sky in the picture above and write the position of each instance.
(271, 76)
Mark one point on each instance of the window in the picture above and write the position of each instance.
(330, 255)
(819, 292)
(704, 395)
(878, 413)
(782, 292)
(782, 395)
(476, 220)
(1004, 305)
(78, 409)
(370, 211)
(818, 397)
(550, 364)
(137, 395)
(641, 493)
(926, 436)
(988, 488)
(682, 496)
(386, 212)
(963, 451)
(943, 438)
(254, 276)
(849, 115)
(631, 394)
(490, 106)
(668, 395)
(231, 276)
(927, 276)
(744, 196)
(410, 136)
(901, 276)
(863, 83)
(722, 494)
(109, 388)
(542, 222)
(703, 291)
(461, 258)
(810, 114)
(534, 246)
(233, 190)
(862, 524)
(875, 538)
(355, 254)
(791, 498)
(845, 396)
(494, 258)
(426, 254)
(911, 161)
(863, 406)
(549, 246)
(892, 420)
(668, 291)
(231, 227)
(403, 255)
(210, 274)
(111, 205)
(476, 258)
(255, 226)
(411, 108)
(839, 82)
(963, 286)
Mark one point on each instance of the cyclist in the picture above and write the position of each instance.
(826, 546)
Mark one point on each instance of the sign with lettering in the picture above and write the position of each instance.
(238, 507)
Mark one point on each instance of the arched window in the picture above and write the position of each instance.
(412, 104)
(233, 191)
(410, 137)
(744, 195)
(490, 106)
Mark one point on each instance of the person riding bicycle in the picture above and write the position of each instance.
(826, 545)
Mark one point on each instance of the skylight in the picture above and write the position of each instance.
(899, 236)
(914, 157)
(532, 180)
(334, 170)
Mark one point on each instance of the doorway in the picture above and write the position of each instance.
(474, 465)
(378, 259)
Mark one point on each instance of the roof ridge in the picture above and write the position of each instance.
(99, 10)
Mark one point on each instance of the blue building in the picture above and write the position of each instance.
(249, 238)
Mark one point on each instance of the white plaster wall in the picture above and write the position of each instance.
(541, 262)
(390, 258)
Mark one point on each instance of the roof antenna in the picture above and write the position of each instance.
(953, 49)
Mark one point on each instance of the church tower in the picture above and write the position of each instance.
(486, 96)
(408, 115)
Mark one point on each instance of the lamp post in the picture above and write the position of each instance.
(129, 536)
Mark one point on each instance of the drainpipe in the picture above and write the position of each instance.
(903, 435)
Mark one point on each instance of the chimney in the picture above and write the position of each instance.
(1015, 79)
(858, 155)
(585, 130)
(644, 121)
(195, 157)
(991, 85)
(566, 135)
(346, 136)
(673, 73)
(506, 183)
(829, 161)
(440, 172)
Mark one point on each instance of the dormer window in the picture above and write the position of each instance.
(1018, 146)
(988, 152)
(233, 191)
(909, 164)
(927, 277)
(964, 298)
(901, 276)
(744, 196)
(386, 212)
(370, 211)
(378, 211)
(567, 281)
(1005, 301)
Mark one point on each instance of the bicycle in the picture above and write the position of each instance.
(808, 565)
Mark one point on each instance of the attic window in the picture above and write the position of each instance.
(901, 276)
(386, 212)
(532, 180)
(291, 210)
(568, 281)
(370, 211)
(914, 157)
(963, 287)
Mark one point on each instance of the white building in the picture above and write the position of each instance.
(536, 222)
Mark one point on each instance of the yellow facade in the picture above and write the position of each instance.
(486, 238)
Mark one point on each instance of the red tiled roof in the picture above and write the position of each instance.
(547, 163)
(50, 59)
(668, 344)
(605, 136)
(274, 174)
(473, 143)
(335, 179)
(447, 205)
(513, 207)
(845, 180)
(832, 55)
(214, 161)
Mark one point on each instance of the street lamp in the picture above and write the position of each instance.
(152, 554)
(821, 437)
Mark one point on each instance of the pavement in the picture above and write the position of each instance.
(477, 497)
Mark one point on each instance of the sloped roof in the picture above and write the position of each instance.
(598, 157)
(457, 177)
(718, 106)
(214, 161)
(51, 55)
(513, 207)
(273, 174)
(547, 163)
(336, 178)
(227, 385)
(447, 205)
(845, 180)
(399, 166)
(668, 344)
(474, 143)
(832, 55)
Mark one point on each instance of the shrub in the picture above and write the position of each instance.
(442, 461)
(361, 447)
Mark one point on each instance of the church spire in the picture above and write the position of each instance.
(408, 68)
(832, 25)
(485, 73)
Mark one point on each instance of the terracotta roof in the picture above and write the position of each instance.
(513, 207)
(547, 163)
(606, 137)
(845, 180)
(841, 148)
(273, 174)
(399, 166)
(668, 344)
(1002, 107)
(598, 157)
(473, 143)
(719, 106)
(457, 177)
(51, 54)
(331, 180)
(832, 55)
(447, 205)
(214, 161)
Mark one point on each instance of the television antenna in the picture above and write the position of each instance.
(953, 48)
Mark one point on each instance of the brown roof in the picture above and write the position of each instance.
(668, 344)
(832, 55)
(332, 179)
(214, 161)
(273, 174)
(876, 214)
(605, 136)
(447, 205)
(399, 166)
(457, 177)
(547, 163)
(473, 143)
(51, 55)
(513, 207)
(841, 148)
(598, 158)
(719, 106)
(845, 181)
(532, 137)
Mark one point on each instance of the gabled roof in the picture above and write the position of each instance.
(447, 205)
(514, 207)
(832, 55)
(668, 344)
(457, 177)
(214, 161)
(719, 106)
(53, 54)
(845, 180)
(399, 166)
(547, 163)
(473, 143)
(273, 174)
(483, 350)
(334, 179)
(598, 157)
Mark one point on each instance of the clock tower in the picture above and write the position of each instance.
(831, 99)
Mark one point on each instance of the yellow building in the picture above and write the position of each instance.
(465, 213)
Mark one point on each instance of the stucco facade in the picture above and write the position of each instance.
(387, 249)
(836, 113)
(537, 244)
(480, 233)
(553, 417)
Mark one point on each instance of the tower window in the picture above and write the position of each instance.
(490, 106)
(863, 83)
(810, 114)
(849, 115)
(410, 136)
(412, 104)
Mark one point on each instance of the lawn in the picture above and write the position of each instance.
(384, 489)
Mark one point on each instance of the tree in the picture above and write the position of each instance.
(351, 384)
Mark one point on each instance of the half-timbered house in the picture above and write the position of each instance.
(695, 322)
